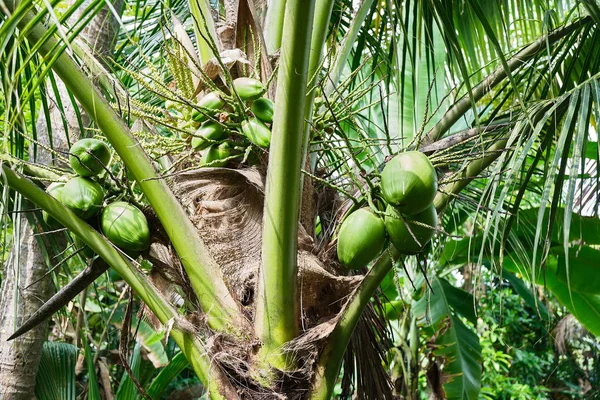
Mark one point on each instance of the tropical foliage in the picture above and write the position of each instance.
(242, 294)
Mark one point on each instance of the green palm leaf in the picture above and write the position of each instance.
(167, 374)
(55, 379)
(457, 346)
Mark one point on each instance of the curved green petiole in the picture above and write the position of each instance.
(194, 349)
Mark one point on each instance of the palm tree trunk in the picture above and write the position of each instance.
(20, 296)
(19, 358)
(101, 33)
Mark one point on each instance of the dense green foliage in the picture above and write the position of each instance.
(527, 356)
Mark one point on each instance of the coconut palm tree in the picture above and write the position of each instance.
(502, 98)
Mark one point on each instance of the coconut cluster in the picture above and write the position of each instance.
(221, 134)
(408, 188)
(122, 223)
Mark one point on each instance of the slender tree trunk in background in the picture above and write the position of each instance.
(101, 34)
(19, 358)
(467, 272)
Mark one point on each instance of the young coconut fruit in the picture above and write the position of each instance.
(211, 103)
(257, 132)
(83, 196)
(399, 234)
(209, 130)
(215, 155)
(54, 190)
(263, 109)
(125, 226)
(248, 88)
(89, 157)
(409, 182)
(361, 238)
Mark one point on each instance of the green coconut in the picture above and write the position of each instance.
(409, 182)
(89, 157)
(83, 196)
(248, 88)
(399, 234)
(263, 109)
(54, 190)
(208, 131)
(257, 132)
(361, 238)
(209, 104)
(125, 226)
(215, 155)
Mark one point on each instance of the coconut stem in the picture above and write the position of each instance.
(277, 309)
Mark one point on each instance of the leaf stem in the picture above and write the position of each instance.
(277, 311)
(347, 45)
(204, 27)
(323, 9)
(447, 192)
(274, 25)
(464, 104)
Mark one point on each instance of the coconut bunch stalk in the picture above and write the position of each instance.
(219, 97)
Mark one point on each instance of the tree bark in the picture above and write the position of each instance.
(19, 359)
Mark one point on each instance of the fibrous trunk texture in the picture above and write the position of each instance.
(24, 287)
(226, 206)
(19, 358)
